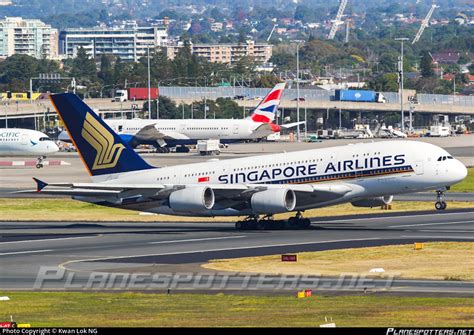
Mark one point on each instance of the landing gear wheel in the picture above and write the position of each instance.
(261, 225)
(305, 223)
(39, 166)
(292, 222)
(440, 203)
(239, 225)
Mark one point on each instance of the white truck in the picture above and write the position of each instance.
(440, 131)
(209, 147)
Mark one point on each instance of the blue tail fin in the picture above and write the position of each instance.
(101, 149)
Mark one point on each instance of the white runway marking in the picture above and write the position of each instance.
(25, 252)
(439, 237)
(430, 224)
(63, 265)
(49, 239)
(392, 217)
(199, 239)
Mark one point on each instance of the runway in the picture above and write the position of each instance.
(168, 255)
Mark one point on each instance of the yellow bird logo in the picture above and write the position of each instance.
(108, 153)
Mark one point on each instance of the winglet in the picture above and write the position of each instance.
(40, 185)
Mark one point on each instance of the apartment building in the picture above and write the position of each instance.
(27, 37)
(129, 42)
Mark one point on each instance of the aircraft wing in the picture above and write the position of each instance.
(263, 130)
(151, 133)
(292, 125)
(227, 195)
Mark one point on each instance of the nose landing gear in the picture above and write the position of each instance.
(440, 203)
(39, 162)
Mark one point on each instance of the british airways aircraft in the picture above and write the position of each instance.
(26, 142)
(366, 175)
(166, 133)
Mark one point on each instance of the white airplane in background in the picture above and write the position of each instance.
(166, 133)
(26, 142)
(366, 175)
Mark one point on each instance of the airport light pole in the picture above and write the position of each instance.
(298, 133)
(305, 120)
(400, 71)
(149, 83)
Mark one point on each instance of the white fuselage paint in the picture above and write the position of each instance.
(377, 169)
(25, 142)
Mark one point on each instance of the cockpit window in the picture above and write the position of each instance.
(42, 139)
(443, 158)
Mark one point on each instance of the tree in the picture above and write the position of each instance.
(168, 109)
(106, 73)
(83, 67)
(426, 65)
(16, 71)
(385, 83)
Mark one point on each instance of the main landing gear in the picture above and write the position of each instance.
(39, 162)
(440, 203)
(163, 150)
(253, 222)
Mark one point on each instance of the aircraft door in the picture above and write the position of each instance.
(235, 129)
(24, 139)
(419, 168)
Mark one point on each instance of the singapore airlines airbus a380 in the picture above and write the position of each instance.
(365, 175)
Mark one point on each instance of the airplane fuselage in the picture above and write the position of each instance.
(369, 169)
(189, 131)
(25, 142)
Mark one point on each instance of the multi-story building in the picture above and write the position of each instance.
(228, 53)
(129, 42)
(27, 37)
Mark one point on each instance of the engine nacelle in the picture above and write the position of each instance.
(373, 202)
(192, 200)
(273, 201)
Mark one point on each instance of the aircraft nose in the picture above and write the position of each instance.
(459, 171)
(53, 147)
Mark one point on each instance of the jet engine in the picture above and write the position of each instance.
(373, 202)
(273, 201)
(192, 200)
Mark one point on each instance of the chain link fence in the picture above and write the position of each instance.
(198, 93)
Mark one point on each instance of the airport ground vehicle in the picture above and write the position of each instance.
(208, 147)
(135, 93)
(440, 131)
(359, 96)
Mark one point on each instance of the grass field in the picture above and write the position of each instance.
(153, 310)
(67, 210)
(437, 260)
(467, 185)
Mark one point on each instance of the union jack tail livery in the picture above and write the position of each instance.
(267, 109)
